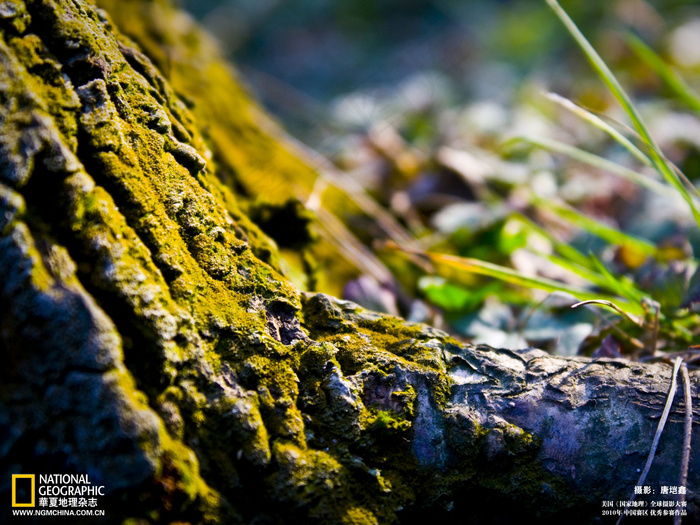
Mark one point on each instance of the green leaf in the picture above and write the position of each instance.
(452, 297)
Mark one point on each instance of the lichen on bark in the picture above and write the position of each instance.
(150, 338)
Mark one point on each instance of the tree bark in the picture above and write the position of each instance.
(150, 340)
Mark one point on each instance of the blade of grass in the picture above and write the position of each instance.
(441, 262)
(612, 305)
(597, 162)
(605, 281)
(667, 74)
(585, 273)
(623, 287)
(569, 257)
(566, 251)
(600, 124)
(627, 337)
(603, 71)
(605, 232)
(657, 158)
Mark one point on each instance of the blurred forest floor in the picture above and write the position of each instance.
(439, 109)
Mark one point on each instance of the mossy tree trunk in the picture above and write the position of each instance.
(150, 340)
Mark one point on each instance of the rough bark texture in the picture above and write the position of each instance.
(149, 339)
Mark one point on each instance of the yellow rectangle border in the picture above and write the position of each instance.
(14, 489)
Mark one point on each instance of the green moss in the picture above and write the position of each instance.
(276, 385)
(250, 152)
(56, 96)
(180, 492)
(16, 16)
(320, 482)
(358, 516)
(387, 424)
(406, 399)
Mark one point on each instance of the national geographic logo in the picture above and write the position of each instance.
(23, 490)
